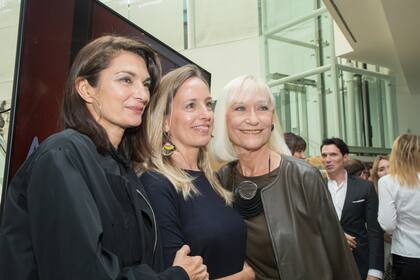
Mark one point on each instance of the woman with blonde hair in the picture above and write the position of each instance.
(399, 205)
(190, 204)
(293, 230)
(380, 168)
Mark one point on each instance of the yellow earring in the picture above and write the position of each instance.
(168, 147)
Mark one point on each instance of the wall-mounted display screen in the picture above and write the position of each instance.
(50, 34)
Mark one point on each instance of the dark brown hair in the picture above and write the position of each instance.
(89, 62)
(294, 142)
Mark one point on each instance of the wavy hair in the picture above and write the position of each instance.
(91, 60)
(159, 109)
(375, 168)
(240, 89)
(405, 160)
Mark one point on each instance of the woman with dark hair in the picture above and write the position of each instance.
(75, 209)
(399, 206)
(357, 168)
(296, 145)
(190, 204)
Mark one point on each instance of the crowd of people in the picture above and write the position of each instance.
(127, 190)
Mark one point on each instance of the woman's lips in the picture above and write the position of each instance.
(136, 109)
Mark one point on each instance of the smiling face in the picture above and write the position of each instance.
(383, 168)
(333, 159)
(249, 122)
(191, 121)
(118, 100)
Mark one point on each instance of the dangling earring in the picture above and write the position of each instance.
(272, 126)
(168, 147)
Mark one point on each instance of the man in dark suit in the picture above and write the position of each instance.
(356, 203)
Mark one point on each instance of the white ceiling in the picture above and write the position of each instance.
(386, 33)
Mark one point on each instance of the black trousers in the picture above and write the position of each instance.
(406, 268)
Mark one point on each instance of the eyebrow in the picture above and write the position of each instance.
(133, 75)
(195, 99)
(126, 72)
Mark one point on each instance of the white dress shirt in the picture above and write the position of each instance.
(338, 195)
(399, 214)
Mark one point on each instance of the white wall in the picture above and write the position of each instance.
(341, 45)
(227, 61)
(162, 18)
(408, 106)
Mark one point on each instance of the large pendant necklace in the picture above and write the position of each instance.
(248, 195)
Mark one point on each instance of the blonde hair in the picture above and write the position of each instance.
(160, 107)
(374, 172)
(240, 89)
(405, 160)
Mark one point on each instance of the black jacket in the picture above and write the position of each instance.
(61, 217)
(359, 218)
(307, 239)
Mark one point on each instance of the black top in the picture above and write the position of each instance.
(211, 229)
(259, 247)
(71, 213)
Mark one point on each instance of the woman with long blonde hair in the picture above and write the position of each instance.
(380, 168)
(399, 205)
(190, 204)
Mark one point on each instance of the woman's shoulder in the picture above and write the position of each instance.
(224, 173)
(152, 176)
(300, 166)
(153, 179)
(68, 139)
(388, 181)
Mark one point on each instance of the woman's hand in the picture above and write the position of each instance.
(387, 237)
(351, 241)
(247, 273)
(194, 266)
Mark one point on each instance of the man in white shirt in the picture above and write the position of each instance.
(356, 204)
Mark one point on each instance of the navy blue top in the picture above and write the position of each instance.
(204, 222)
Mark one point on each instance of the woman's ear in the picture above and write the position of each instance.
(166, 127)
(85, 90)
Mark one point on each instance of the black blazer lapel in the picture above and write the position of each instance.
(348, 199)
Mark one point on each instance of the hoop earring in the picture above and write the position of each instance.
(168, 147)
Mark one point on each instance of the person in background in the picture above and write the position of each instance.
(357, 168)
(356, 204)
(190, 204)
(293, 231)
(296, 145)
(399, 206)
(75, 209)
(379, 169)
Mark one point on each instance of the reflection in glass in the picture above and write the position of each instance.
(318, 96)
(9, 20)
